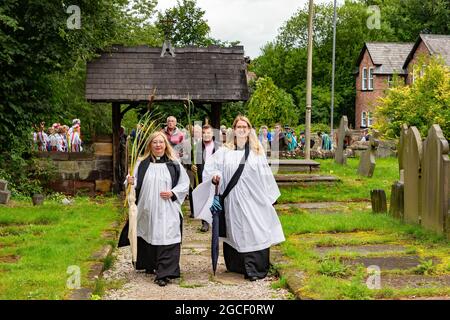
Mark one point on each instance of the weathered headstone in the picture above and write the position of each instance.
(412, 159)
(434, 182)
(396, 206)
(339, 155)
(5, 195)
(378, 199)
(367, 161)
(3, 185)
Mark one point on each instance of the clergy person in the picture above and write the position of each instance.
(252, 224)
(161, 185)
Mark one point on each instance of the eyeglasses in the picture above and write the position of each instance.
(241, 127)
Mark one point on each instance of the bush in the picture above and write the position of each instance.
(422, 104)
(270, 104)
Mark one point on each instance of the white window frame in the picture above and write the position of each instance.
(364, 79)
(390, 81)
(369, 119)
(422, 70)
(370, 79)
(363, 119)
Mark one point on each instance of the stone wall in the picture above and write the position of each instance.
(84, 172)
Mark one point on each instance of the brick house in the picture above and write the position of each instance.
(427, 45)
(377, 63)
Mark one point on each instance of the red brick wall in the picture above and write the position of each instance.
(365, 100)
(420, 51)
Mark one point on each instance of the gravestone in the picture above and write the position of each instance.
(367, 160)
(5, 195)
(401, 149)
(434, 182)
(396, 206)
(412, 159)
(343, 132)
(378, 199)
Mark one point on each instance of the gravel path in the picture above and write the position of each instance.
(196, 282)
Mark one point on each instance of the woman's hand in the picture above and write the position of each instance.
(166, 195)
(130, 180)
(216, 179)
(194, 168)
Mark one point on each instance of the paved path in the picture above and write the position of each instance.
(197, 281)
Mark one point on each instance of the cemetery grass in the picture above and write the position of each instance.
(38, 244)
(352, 186)
(327, 277)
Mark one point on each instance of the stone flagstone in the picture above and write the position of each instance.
(435, 182)
(339, 155)
(363, 249)
(412, 159)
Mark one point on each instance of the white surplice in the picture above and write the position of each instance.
(251, 221)
(158, 220)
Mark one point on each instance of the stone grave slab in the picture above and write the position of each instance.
(363, 250)
(389, 262)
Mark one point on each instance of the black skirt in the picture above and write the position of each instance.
(250, 264)
(164, 260)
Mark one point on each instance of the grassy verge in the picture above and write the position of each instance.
(38, 244)
(352, 186)
(328, 277)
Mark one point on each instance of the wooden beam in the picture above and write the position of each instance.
(216, 111)
(130, 106)
(116, 120)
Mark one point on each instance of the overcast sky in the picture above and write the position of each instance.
(252, 22)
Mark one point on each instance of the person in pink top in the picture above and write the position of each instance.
(174, 135)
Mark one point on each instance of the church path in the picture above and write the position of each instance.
(196, 282)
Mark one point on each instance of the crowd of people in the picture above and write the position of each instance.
(58, 137)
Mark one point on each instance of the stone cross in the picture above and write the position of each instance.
(167, 46)
(367, 161)
(340, 156)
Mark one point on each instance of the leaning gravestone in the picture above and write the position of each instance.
(412, 159)
(339, 155)
(367, 161)
(434, 182)
(4, 193)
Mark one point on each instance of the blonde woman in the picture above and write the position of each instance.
(161, 185)
(252, 224)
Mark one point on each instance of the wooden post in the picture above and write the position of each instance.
(378, 198)
(116, 120)
(396, 208)
(216, 110)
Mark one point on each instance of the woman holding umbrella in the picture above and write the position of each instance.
(251, 222)
(161, 184)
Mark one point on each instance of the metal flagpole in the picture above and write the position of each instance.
(309, 83)
(332, 75)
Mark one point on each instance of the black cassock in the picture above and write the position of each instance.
(162, 260)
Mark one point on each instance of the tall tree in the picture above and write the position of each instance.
(189, 26)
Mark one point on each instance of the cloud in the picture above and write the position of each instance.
(252, 22)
